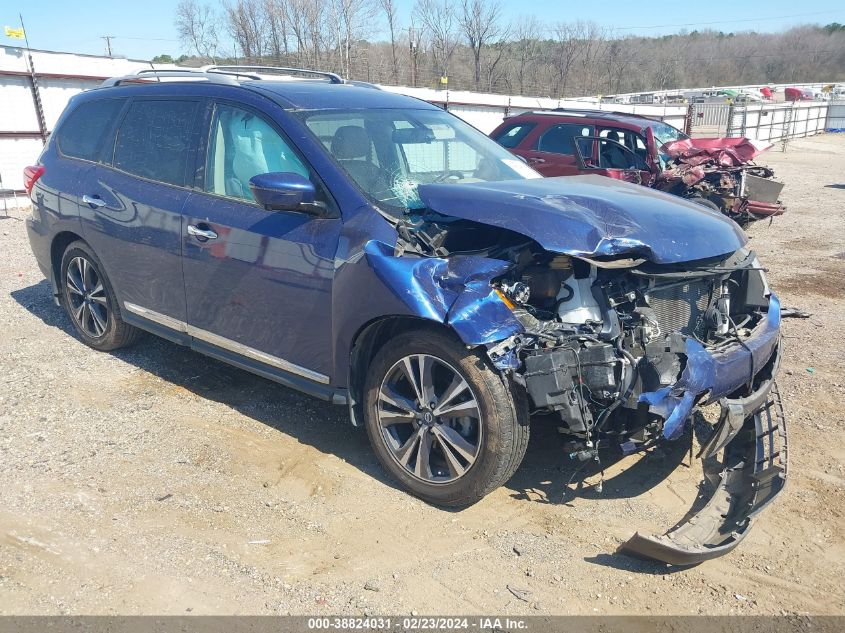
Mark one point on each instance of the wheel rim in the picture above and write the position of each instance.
(429, 418)
(87, 299)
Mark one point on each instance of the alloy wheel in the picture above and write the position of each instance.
(86, 296)
(430, 419)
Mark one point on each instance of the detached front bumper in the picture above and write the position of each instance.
(752, 473)
(752, 432)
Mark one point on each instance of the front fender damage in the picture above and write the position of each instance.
(455, 291)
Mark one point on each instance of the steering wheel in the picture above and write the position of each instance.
(457, 175)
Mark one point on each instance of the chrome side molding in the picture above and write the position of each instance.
(225, 343)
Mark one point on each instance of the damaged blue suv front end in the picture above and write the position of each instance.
(622, 311)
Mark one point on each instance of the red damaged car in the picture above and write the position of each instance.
(716, 172)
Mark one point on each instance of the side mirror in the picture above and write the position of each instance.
(285, 191)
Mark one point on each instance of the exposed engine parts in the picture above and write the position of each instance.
(597, 338)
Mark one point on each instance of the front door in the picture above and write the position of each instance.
(605, 157)
(258, 283)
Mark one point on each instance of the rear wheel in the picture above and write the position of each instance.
(90, 302)
(441, 421)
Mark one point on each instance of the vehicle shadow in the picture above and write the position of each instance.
(835, 186)
(311, 421)
(562, 478)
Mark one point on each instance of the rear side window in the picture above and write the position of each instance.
(512, 135)
(84, 130)
(558, 139)
(155, 140)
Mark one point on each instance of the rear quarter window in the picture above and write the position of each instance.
(512, 135)
(154, 140)
(82, 134)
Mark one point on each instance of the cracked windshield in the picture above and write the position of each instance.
(389, 153)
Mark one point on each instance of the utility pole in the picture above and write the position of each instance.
(108, 39)
(36, 94)
(414, 52)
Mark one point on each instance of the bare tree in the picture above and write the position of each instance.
(247, 22)
(526, 49)
(564, 54)
(354, 16)
(197, 27)
(479, 21)
(438, 24)
(389, 9)
(277, 29)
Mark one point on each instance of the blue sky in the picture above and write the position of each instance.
(144, 28)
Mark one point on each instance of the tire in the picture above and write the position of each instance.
(89, 300)
(488, 442)
(705, 202)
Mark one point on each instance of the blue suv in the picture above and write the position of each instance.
(375, 251)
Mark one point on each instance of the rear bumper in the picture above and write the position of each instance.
(752, 473)
(39, 242)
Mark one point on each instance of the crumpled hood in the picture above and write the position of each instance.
(592, 216)
(724, 152)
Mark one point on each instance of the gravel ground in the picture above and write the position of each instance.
(155, 480)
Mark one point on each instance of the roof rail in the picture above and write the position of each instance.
(228, 75)
(147, 75)
(332, 77)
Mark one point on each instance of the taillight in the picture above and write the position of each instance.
(31, 175)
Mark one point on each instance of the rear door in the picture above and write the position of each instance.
(553, 151)
(79, 144)
(258, 282)
(133, 202)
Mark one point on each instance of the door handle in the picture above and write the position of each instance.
(536, 161)
(201, 234)
(93, 201)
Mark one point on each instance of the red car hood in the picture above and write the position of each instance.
(725, 152)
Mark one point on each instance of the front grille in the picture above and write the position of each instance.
(678, 307)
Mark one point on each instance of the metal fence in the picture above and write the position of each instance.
(771, 122)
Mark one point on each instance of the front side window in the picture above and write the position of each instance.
(558, 138)
(244, 145)
(512, 135)
(390, 152)
(86, 127)
(154, 140)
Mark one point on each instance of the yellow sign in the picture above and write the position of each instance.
(16, 33)
(444, 80)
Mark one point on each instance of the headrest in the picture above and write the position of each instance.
(350, 141)
(613, 135)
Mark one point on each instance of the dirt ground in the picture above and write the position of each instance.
(155, 480)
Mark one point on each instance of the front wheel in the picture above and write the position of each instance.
(705, 202)
(441, 420)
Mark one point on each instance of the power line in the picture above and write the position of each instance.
(144, 39)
